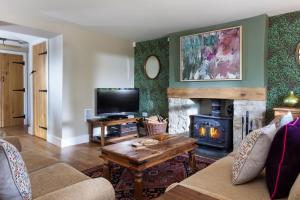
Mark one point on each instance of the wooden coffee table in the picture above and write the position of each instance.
(137, 159)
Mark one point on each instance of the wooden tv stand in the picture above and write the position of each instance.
(102, 123)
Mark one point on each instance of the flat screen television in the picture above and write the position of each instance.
(117, 101)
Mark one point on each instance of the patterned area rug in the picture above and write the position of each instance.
(155, 180)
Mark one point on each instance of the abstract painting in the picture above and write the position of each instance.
(211, 56)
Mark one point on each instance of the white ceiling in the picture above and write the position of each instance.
(148, 19)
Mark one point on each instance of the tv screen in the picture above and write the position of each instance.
(114, 101)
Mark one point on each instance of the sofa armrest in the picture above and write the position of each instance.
(14, 140)
(92, 189)
(295, 191)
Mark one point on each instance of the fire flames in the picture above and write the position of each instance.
(214, 133)
(202, 132)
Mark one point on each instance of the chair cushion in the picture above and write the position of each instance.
(35, 160)
(14, 179)
(295, 191)
(251, 156)
(53, 178)
(216, 180)
(283, 162)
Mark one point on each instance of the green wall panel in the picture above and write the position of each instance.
(153, 93)
(253, 54)
(282, 69)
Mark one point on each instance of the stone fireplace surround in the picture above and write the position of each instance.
(184, 102)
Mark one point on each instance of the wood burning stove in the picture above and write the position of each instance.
(213, 132)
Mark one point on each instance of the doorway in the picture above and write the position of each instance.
(43, 55)
(11, 90)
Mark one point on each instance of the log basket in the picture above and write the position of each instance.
(155, 127)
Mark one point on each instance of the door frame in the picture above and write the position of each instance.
(25, 79)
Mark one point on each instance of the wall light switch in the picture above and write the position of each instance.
(88, 114)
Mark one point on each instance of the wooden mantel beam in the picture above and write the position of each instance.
(258, 94)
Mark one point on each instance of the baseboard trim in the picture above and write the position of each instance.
(54, 140)
(65, 142)
(74, 140)
(30, 130)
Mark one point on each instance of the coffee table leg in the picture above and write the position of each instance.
(192, 160)
(107, 170)
(102, 136)
(138, 189)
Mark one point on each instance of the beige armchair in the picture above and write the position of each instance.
(50, 179)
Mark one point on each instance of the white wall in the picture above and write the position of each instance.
(94, 62)
(90, 60)
(55, 77)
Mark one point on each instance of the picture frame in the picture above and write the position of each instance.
(212, 56)
(297, 54)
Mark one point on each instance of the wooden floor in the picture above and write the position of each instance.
(81, 157)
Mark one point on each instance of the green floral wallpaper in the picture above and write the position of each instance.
(153, 93)
(283, 73)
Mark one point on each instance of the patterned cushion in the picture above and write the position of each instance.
(251, 156)
(14, 179)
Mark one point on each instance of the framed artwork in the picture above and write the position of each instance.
(212, 56)
(298, 53)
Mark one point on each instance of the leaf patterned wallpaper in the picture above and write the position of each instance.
(283, 73)
(153, 93)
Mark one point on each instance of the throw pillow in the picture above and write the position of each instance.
(283, 162)
(276, 121)
(286, 119)
(280, 121)
(14, 179)
(251, 156)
